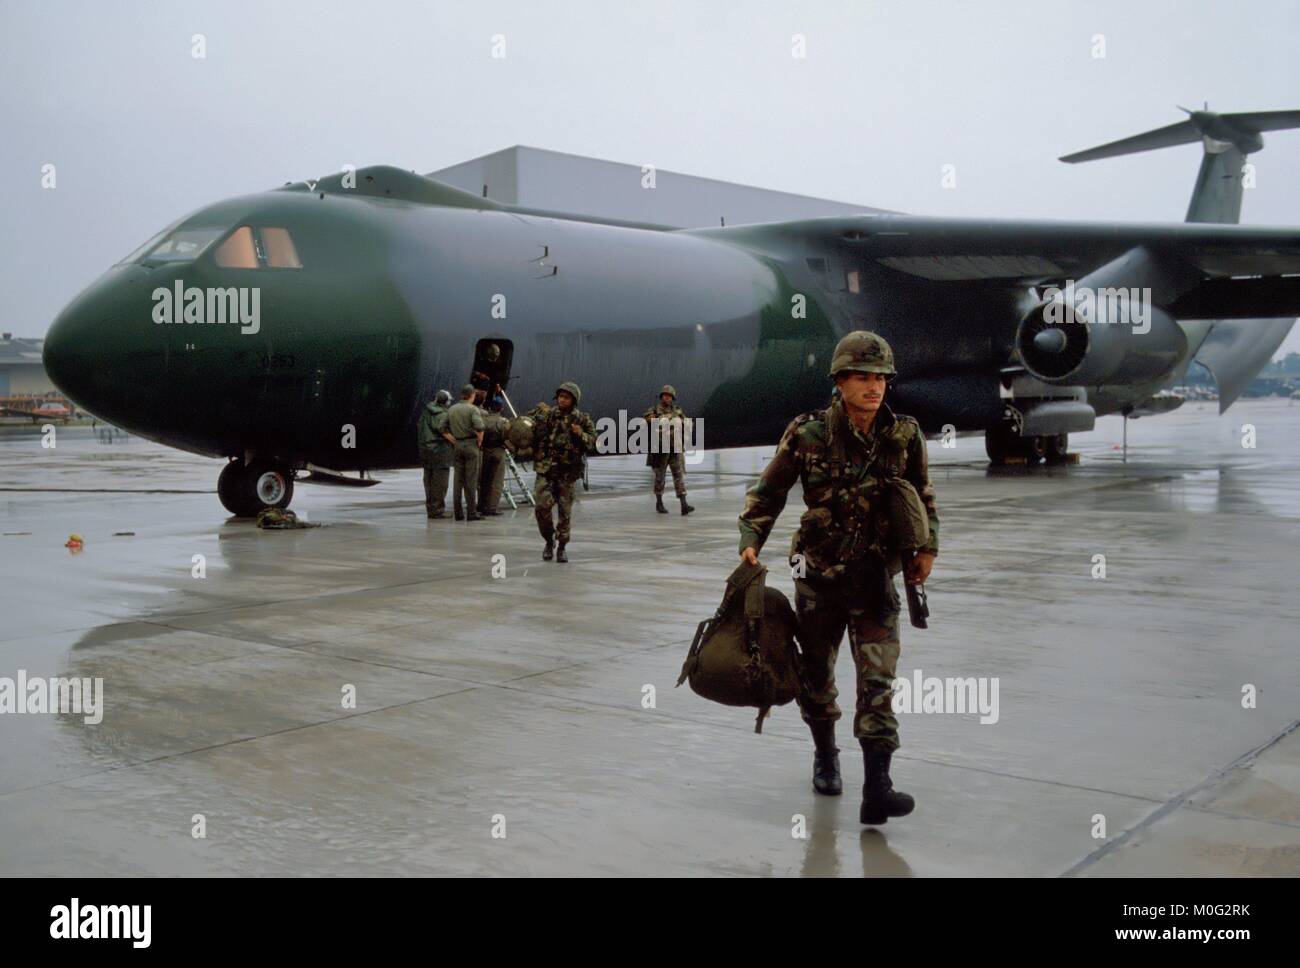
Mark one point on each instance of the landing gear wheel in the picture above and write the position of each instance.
(228, 486)
(1033, 449)
(998, 444)
(246, 489)
(1058, 448)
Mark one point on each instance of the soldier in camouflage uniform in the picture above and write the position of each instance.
(436, 451)
(562, 438)
(668, 425)
(842, 567)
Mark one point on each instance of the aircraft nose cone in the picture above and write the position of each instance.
(61, 357)
(102, 351)
(1050, 340)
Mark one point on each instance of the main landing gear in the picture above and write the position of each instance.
(1005, 446)
(246, 489)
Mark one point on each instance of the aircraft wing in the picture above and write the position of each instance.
(1246, 270)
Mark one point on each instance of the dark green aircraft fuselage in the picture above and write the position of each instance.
(394, 293)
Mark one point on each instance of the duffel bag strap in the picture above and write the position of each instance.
(702, 632)
(754, 605)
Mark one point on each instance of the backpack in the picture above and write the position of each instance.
(745, 654)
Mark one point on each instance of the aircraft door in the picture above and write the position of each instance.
(491, 370)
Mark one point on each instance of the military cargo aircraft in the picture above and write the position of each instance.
(299, 331)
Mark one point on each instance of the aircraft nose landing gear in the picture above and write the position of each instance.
(1005, 446)
(246, 489)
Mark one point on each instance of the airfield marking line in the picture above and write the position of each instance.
(300, 648)
(297, 647)
(232, 742)
(1178, 801)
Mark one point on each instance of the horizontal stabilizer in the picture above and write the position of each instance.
(1241, 130)
(1182, 133)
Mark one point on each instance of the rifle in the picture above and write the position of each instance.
(918, 609)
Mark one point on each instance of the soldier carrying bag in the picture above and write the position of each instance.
(745, 654)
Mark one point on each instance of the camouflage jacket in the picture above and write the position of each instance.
(557, 450)
(434, 448)
(660, 421)
(842, 473)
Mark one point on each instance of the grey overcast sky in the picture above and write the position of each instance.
(141, 132)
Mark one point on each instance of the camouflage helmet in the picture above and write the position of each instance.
(862, 352)
(571, 388)
(668, 390)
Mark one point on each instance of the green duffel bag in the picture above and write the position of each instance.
(745, 655)
(909, 528)
(519, 435)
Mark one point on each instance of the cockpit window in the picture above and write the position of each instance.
(139, 251)
(280, 251)
(244, 248)
(238, 251)
(182, 245)
(263, 248)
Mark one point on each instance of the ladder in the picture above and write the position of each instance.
(516, 477)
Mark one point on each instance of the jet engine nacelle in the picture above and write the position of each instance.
(1103, 329)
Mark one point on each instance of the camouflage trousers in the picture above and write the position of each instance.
(678, 466)
(825, 609)
(554, 492)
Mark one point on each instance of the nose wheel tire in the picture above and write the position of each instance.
(1033, 449)
(1004, 445)
(246, 489)
(999, 444)
(1058, 448)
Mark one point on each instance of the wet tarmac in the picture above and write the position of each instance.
(528, 724)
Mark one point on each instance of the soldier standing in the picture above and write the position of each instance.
(465, 425)
(668, 423)
(493, 475)
(562, 438)
(436, 450)
(841, 455)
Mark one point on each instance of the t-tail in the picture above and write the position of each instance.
(1235, 350)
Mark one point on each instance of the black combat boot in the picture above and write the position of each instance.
(659, 504)
(880, 800)
(560, 556)
(826, 759)
(549, 551)
(686, 508)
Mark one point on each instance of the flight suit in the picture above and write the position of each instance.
(840, 546)
(436, 456)
(464, 422)
(493, 473)
(559, 453)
